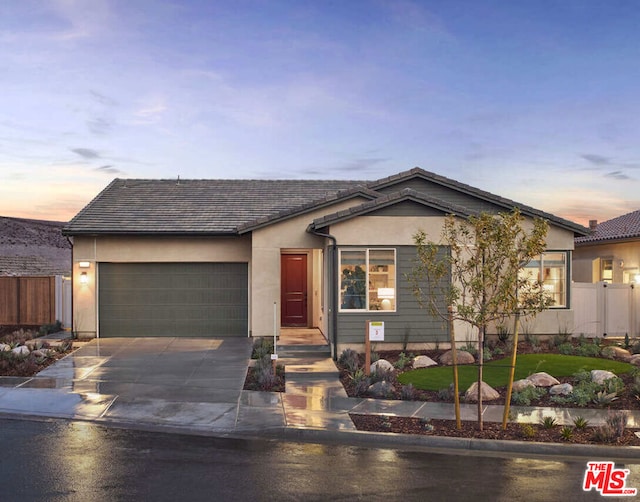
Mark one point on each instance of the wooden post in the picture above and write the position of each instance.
(512, 371)
(367, 350)
(454, 358)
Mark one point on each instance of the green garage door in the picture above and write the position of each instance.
(173, 299)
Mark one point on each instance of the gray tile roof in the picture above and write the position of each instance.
(195, 206)
(623, 227)
(218, 207)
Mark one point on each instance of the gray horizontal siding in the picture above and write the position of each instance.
(409, 319)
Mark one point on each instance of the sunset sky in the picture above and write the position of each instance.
(537, 101)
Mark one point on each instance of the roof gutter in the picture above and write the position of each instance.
(333, 295)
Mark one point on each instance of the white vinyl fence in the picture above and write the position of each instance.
(605, 310)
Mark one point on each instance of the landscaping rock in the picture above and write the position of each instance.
(599, 376)
(381, 366)
(620, 353)
(488, 393)
(520, 385)
(381, 389)
(4, 347)
(543, 379)
(564, 389)
(423, 362)
(635, 360)
(22, 350)
(463, 357)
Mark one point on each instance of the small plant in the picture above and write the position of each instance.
(403, 360)
(548, 422)
(262, 347)
(374, 356)
(567, 433)
(445, 394)
(527, 430)
(580, 422)
(618, 420)
(503, 334)
(608, 352)
(627, 342)
(426, 424)
(361, 382)
(349, 360)
(408, 392)
(604, 398)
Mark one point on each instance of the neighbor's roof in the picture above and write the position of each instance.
(622, 228)
(232, 207)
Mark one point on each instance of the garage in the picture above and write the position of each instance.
(173, 299)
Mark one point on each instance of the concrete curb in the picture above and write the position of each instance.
(439, 444)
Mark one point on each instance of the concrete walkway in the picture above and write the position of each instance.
(195, 386)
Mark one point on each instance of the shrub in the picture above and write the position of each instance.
(349, 360)
(262, 347)
(527, 430)
(580, 422)
(503, 334)
(613, 427)
(603, 398)
(567, 433)
(548, 422)
(526, 395)
(408, 392)
(614, 385)
(403, 360)
(361, 382)
(45, 329)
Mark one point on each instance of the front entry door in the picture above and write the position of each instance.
(293, 285)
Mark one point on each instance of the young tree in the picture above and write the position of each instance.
(479, 280)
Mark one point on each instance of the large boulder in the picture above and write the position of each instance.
(463, 357)
(619, 353)
(488, 393)
(423, 362)
(542, 379)
(4, 347)
(22, 350)
(381, 389)
(599, 376)
(635, 360)
(381, 366)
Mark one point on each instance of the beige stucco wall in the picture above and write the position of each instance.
(141, 249)
(267, 245)
(625, 256)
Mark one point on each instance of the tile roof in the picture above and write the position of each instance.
(195, 206)
(218, 207)
(623, 227)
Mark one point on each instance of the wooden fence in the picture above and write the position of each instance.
(27, 300)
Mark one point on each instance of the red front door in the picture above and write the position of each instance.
(293, 295)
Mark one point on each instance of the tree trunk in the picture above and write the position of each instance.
(480, 368)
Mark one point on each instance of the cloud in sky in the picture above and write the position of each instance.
(496, 95)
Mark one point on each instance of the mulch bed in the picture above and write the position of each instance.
(535, 432)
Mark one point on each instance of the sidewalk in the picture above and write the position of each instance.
(195, 387)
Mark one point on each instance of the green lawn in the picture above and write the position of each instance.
(496, 372)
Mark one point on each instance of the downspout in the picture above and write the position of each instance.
(333, 296)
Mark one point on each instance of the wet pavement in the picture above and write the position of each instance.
(196, 385)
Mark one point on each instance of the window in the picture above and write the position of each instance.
(551, 269)
(368, 280)
(606, 270)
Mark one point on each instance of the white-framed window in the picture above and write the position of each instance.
(551, 269)
(367, 280)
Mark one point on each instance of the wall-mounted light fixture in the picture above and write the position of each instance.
(84, 278)
(84, 264)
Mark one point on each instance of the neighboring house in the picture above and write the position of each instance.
(245, 257)
(610, 253)
(35, 258)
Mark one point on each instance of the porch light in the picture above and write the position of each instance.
(386, 295)
(83, 278)
(84, 264)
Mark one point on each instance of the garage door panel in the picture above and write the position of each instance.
(173, 299)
